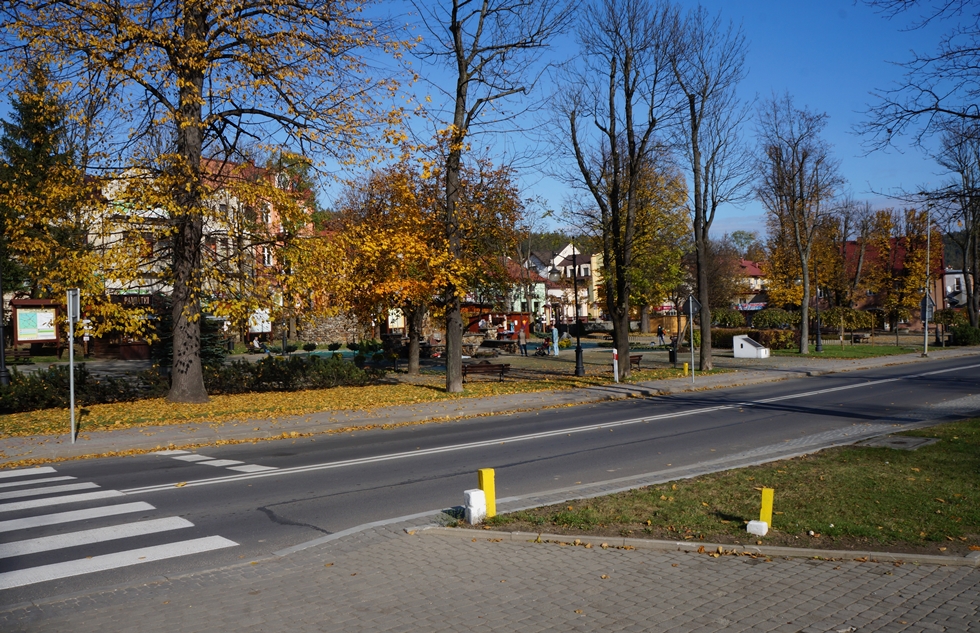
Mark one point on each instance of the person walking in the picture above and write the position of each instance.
(522, 340)
(660, 334)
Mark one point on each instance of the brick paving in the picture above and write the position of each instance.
(386, 580)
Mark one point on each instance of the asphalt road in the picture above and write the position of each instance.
(195, 515)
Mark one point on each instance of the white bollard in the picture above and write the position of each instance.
(476, 506)
(759, 528)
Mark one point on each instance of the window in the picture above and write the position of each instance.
(266, 215)
(266, 256)
(585, 271)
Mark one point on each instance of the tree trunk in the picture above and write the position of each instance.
(414, 315)
(645, 319)
(187, 376)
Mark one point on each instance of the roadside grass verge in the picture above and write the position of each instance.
(863, 350)
(238, 408)
(922, 501)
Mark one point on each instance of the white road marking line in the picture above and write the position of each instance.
(95, 535)
(33, 492)
(170, 452)
(252, 468)
(68, 569)
(531, 436)
(193, 458)
(26, 472)
(27, 482)
(53, 501)
(73, 515)
(222, 462)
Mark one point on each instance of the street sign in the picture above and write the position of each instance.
(926, 308)
(691, 305)
(74, 305)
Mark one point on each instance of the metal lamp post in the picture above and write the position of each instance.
(4, 374)
(579, 364)
(816, 275)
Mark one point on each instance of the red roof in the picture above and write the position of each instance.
(750, 268)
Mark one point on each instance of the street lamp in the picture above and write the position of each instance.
(579, 365)
(4, 374)
(816, 275)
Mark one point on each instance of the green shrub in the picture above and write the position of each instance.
(965, 334)
(290, 348)
(309, 347)
(333, 347)
(370, 346)
(354, 347)
(213, 349)
(290, 373)
(48, 389)
(727, 317)
(721, 338)
(774, 318)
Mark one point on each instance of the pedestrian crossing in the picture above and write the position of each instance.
(39, 541)
(230, 464)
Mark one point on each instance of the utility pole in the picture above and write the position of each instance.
(579, 365)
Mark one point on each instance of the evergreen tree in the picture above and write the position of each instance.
(39, 189)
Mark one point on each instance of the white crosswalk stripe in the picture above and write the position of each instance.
(105, 562)
(197, 458)
(95, 535)
(32, 542)
(25, 472)
(31, 482)
(34, 492)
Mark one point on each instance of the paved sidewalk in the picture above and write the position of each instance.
(744, 372)
(387, 580)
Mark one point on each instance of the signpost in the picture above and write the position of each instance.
(926, 308)
(74, 313)
(690, 306)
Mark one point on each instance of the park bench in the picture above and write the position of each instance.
(485, 368)
(635, 360)
(859, 338)
(17, 356)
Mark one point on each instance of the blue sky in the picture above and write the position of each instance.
(829, 55)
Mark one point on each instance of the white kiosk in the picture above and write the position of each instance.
(747, 348)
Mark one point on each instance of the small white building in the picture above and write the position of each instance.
(747, 348)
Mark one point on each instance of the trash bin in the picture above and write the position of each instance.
(672, 356)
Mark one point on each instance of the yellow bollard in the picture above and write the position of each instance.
(685, 369)
(765, 515)
(485, 477)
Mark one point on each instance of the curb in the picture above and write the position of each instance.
(970, 560)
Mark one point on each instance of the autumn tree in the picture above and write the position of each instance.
(391, 251)
(609, 113)
(707, 61)
(798, 182)
(190, 79)
(490, 48)
(52, 238)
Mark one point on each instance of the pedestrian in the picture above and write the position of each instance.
(522, 341)
(660, 334)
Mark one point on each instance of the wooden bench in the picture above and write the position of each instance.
(859, 338)
(635, 360)
(18, 356)
(485, 368)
